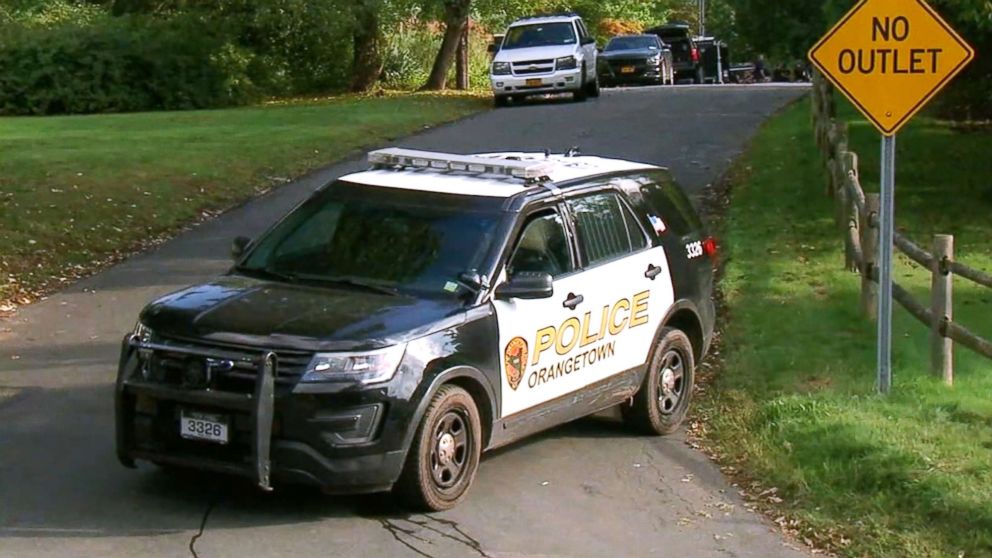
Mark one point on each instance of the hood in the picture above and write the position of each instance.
(536, 53)
(247, 311)
(629, 53)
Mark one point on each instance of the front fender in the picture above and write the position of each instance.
(449, 375)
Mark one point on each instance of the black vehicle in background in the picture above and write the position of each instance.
(636, 59)
(685, 53)
(715, 57)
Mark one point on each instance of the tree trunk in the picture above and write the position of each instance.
(461, 65)
(456, 21)
(367, 63)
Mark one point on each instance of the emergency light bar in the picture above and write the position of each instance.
(394, 157)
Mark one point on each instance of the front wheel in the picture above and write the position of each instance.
(660, 406)
(594, 88)
(580, 94)
(444, 455)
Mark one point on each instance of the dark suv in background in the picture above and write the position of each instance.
(685, 53)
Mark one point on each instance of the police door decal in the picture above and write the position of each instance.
(600, 321)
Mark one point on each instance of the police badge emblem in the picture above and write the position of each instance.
(514, 361)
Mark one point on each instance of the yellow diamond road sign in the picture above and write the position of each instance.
(890, 57)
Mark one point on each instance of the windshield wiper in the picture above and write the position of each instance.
(267, 273)
(348, 282)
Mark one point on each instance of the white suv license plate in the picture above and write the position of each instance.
(203, 426)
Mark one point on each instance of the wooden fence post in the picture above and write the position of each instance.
(942, 306)
(869, 245)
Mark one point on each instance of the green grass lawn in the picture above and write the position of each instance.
(77, 190)
(794, 405)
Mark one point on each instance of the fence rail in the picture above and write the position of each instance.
(856, 215)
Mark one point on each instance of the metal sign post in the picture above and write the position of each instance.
(886, 226)
(890, 57)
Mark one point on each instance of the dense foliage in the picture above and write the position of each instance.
(61, 56)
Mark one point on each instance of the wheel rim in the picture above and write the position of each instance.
(671, 382)
(450, 449)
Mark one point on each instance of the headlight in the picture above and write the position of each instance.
(501, 68)
(654, 60)
(142, 332)
(367, 367)
(566, 63)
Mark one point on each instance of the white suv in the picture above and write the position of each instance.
(541, 55)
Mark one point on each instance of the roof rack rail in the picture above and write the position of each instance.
(395, 157)
(550, 14)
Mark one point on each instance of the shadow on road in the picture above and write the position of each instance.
(85, 492)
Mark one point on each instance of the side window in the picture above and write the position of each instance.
(671, 204)
(583, 33)
(542, 247)
(606, 228)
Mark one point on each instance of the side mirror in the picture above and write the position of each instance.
(492, 48)
(589, 41)
(527, 285)
(239, 246)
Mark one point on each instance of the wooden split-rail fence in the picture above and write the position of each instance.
(856, 214)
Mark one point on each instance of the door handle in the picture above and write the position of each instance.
(652, 272)
(573, 301)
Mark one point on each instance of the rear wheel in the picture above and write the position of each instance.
(444, 456)
(660, 406)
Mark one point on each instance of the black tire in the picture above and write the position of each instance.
(444, 455)
(582, 93)
(501, 100)
(594, 88)
(660, 405)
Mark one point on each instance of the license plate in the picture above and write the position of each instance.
(627, 70)
(203, 426)
(534, 82)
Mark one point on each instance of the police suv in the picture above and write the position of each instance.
(541, 55)
(407, 318)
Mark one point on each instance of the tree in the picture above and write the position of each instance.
(367, 36)
(456, 14)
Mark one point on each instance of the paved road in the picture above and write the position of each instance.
(585, 489)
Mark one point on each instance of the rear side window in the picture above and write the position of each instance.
(606, 228)
(670, 203)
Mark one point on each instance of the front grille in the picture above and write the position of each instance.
(532, 67)
(234, 369)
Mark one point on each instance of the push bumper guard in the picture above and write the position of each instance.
(260, 404)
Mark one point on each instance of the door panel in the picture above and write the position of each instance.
(550, 349)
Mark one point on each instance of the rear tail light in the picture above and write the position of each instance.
(710, 248)
(695, 54)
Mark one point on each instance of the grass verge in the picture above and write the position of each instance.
(79, 191)
(793, 412)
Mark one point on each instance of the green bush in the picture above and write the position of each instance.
(122, 64)
(410, 50)
(408, 55)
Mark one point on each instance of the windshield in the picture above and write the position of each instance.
(632, 43)
(382, 239)
(539, 35)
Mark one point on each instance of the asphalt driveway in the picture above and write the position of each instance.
(584, 489)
